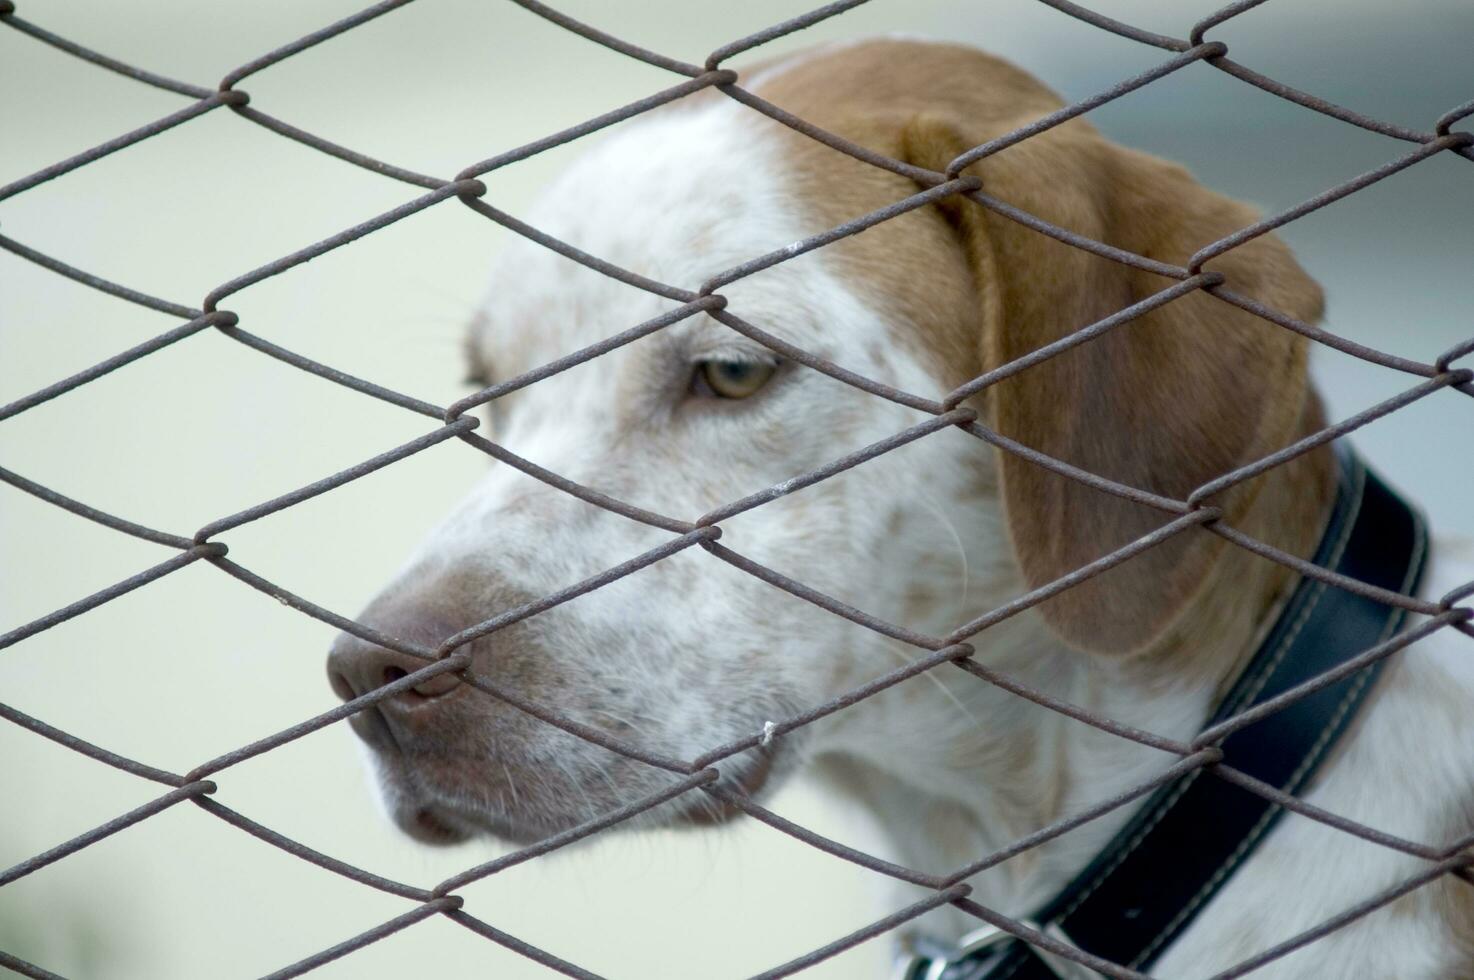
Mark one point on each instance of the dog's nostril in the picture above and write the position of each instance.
(425, 690)
(356, 669)
(340, 686)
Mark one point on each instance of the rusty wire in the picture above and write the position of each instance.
(701, 774)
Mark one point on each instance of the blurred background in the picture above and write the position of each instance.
(196, 664)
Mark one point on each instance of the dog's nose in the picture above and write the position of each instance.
(356, 666)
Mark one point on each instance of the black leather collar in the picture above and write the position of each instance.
(1146, 886)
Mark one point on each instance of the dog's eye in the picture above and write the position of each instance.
(732, 379)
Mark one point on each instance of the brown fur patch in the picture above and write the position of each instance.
(1166, 403)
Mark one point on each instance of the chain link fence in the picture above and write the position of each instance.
(699, 775)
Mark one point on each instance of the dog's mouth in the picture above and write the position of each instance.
(421, 805)
(445, 825)
(430, 824)
(441, 810)
(744, 778)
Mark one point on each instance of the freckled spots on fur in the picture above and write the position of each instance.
(948, 826)
(912, 694)
(520, 504)
(931, 599)
(895, 522)
(921, 602)
(841, 670)
(1455, 909)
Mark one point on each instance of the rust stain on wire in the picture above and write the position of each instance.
(699, 774)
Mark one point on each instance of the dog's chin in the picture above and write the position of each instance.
(430, 817)
(445, 826)
(432, 825)
(441, 825)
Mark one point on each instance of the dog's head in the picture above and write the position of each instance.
(691, 652)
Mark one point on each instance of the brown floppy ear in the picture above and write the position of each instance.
(1164, 403)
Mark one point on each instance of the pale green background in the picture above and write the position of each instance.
(196, 664)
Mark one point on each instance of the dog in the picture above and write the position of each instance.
(691, 652)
